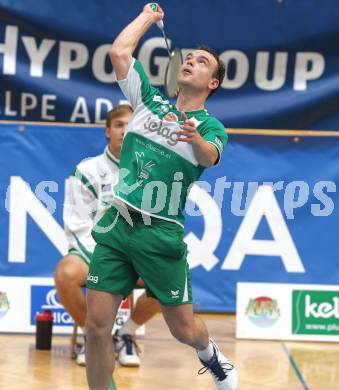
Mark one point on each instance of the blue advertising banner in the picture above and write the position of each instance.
(267, 213)
(281, 58)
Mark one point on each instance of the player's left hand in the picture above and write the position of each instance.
(189, 132)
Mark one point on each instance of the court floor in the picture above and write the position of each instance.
(167, 365)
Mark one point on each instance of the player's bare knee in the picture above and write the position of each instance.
(184, 334)
(63, 274)
(96, 327)
(60, 276)
(67, 272)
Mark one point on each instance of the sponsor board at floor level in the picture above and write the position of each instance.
(287, 311)
(22, 298)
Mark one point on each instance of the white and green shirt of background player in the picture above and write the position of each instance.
(88, 194)
(157, 170)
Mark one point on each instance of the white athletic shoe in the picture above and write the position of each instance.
(126, 350)
(224, 373)
(81, 358)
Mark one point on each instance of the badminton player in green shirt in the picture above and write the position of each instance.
(165, 150)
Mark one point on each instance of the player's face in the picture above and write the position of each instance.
(115, 133)
(197, 71)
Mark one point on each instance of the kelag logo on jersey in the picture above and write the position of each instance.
(45, 297)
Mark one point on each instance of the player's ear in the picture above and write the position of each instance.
(213, 84)
(107, 133)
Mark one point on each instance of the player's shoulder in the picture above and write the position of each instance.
(209, 122)
(90, 166)
(139, 68)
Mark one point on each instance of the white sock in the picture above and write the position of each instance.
(207, 353)
(83, 330)
(129, 327)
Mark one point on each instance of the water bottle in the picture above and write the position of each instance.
(43, 335)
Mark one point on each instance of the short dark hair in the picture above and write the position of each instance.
(219, 72)
(117, 111)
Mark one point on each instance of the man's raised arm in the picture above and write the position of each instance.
(124, 45)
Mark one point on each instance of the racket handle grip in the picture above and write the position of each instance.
(160, 23)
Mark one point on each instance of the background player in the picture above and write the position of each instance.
(88, 195)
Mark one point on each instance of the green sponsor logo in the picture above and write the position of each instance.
(315, 312)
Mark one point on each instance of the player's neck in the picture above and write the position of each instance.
(114, 151)
(190, 102)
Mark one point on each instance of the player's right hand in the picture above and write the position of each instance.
(157, 15)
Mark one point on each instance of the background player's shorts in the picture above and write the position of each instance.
(74, 251)
(156, 253)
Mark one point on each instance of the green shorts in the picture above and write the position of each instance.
(156, 253)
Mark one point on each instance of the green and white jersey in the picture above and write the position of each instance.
(157, 170)
(88, 194)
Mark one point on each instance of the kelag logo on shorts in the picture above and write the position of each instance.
(315, 312)
(45, 297)
(263, 311)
